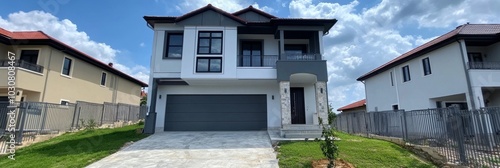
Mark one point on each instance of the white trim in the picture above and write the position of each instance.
(72, 65)
(105, 79)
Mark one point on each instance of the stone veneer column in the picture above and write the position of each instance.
(321, 102)
(286, 117)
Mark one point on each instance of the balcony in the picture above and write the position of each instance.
(310, 63)
(23, 64)
(484, 65)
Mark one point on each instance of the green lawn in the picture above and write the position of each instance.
(361, 152)
(73, 149)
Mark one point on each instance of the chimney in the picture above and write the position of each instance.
(110, 64)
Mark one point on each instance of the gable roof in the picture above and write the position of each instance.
(274, 21)
(354, 105)
(252, 9)
(40, 38)
(466, 31)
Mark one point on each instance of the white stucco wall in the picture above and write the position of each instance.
(447, 78)
(269, 88)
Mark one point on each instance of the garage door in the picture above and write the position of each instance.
(215, 112)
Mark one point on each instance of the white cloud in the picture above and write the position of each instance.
(67, 32)
(365, 39)
(141, 44)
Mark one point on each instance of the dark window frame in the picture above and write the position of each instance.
(392, 78)
(104, 77)
(406, 73)
(251, 42)
(168, 45)
(209, 60)
(68, 68)
(426, 65)
(210, 42)
(64, 102)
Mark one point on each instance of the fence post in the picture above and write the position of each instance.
(128, 116)
(117, 111)
(76, 116)
(23, 115)
(404, 127)
(44, 117)
(102, 112)
(457, 118)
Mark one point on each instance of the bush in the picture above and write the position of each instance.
(328, 147)
(89, 125)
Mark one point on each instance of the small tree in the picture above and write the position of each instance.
(328, 146)
(144, 101)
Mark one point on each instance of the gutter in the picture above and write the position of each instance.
(467, 76)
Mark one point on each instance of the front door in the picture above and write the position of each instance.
(298, 112)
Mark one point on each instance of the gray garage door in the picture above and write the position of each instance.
(215, 112)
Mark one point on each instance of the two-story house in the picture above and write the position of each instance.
(248, 70)
(461, 68)
(47, 70)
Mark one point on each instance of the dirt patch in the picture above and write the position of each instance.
(339, 163)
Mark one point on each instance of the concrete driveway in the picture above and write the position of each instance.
(196, 149)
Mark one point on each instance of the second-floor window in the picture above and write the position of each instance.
(103, 79)
(406, 73)
(29, 56)
(66, 69)
(209, 64)
(174, 45)
(426, 64)
(210, 42)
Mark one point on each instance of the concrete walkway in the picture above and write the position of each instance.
(196, 149)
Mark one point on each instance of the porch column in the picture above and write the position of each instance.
(286, 117)
(282, 45)
(321, 102)
(477, 94)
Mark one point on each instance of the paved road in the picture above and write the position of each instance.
(196, 149)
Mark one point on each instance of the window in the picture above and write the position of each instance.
(207, 64)
(395, 107)
(210, 42)
(66, 69)
(427, 66)
(64, 102)
(406, 73)
(174, 45)
(103, 79)
(392, 79)
(29, 56)
(251, 54)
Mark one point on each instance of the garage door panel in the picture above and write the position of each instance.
(215, 112)
(211, 126)
(216, 117)
(224, 108)
(215, 99)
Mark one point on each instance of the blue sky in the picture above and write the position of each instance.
(368, 33)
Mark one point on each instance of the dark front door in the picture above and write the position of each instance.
(297, 104)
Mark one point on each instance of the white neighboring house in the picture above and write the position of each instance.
(217, 71)
(460, 67)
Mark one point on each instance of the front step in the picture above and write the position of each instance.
(301, 131)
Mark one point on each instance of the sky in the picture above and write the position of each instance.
(368, 32)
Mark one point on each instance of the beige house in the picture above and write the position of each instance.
(51, 71)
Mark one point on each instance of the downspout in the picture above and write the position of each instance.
(47, 76)
(467, 76)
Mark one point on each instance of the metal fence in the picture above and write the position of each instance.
(463, 137)
(36, 118)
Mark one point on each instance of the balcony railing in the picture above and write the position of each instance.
(484, 65)
(302, 57)
(23, 64)
(257, 60)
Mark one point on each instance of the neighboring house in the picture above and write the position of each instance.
(248, 70)
(461, 68)
(358, 106)
(51, 71)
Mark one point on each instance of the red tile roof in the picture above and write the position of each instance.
(39, 35)
(357, 104)
(466, 29)
(251, 8)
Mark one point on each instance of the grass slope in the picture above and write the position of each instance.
(361, 152)
(73, 149)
